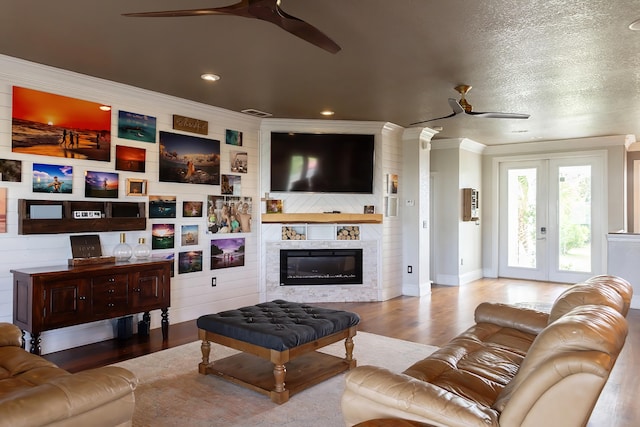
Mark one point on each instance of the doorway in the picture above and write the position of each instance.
(551, 218)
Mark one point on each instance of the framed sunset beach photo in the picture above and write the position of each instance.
(101, 184)
(54, 125)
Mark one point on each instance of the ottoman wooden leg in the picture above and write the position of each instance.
(206, 350)
(279, 394)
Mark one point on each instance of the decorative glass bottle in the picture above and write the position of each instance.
(122, 251)
(142, 250)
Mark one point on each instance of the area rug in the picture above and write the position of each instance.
(172, 392)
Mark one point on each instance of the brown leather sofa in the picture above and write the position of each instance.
(516, 367)
(35, 392)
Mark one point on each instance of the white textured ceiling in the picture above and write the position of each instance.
(574, 66)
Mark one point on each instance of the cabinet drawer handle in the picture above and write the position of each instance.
(137, 290)
(111, 304)
(111, 279)
(111, 291)
(81, 298)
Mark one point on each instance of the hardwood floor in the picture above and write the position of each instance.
(433, 320)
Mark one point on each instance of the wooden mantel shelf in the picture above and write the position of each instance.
(322, 218)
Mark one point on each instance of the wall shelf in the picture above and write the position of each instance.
(113, 216)
(321, 218)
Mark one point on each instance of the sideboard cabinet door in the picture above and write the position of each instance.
(150, 289)
(64, 302)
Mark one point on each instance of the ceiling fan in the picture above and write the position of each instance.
(463, 107)
(266, 10)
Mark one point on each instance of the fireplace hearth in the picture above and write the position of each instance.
(320, 267)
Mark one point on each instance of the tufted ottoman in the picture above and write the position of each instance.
(277, 339)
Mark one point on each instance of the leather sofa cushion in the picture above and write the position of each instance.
(476, 364)
(22, 370)
(585, 294)
(619, 284)
(278, 325)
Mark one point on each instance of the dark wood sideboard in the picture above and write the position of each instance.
(46, 298)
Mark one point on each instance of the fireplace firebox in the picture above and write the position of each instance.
(320, 267)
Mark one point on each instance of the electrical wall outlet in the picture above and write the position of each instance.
(214, 281)
(409, 269)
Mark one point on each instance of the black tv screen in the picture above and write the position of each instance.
(322, 162)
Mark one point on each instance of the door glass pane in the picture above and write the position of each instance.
(574, 217)
(521, 217)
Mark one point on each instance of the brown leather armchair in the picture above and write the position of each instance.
(35, 392)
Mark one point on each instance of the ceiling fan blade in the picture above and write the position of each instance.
(455, 106)
(433, 120)
(265, 10)
(489, 115)
(238, 9)
(293, 25)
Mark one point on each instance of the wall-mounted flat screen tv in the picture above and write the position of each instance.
(322, 162)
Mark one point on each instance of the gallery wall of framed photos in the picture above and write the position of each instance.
(69, 137)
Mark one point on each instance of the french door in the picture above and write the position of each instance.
(551, 215)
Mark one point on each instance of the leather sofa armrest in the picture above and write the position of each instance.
(67, 396)
(374, 392)
(509, 316)
(10, 335)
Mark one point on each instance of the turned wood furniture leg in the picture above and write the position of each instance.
(206, 351)
(165, 323)
(279, 373)
(348, 345)
(35, 343)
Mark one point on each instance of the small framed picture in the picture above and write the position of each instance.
(101, 184)
(369, 209)
(274, 206)
(136, 187)
(191, 209)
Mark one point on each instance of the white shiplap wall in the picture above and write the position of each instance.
(192, 294)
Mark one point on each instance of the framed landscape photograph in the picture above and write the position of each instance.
(101, 184)
(163, 236)
(52, 178)
(189, 262)
(130, 159)
(189, 159)
(227, 253)
(233, 137)
(137, 127)
(162, 206)
(55, 125)
(136, 187)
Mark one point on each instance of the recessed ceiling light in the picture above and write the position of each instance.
(210, 77)
(327, 113)
(105, 108)
(635, 25)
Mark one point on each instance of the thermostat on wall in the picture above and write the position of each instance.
(87, 214)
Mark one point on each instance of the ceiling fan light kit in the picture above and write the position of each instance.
(265, 10)
(463, 107)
